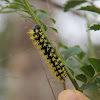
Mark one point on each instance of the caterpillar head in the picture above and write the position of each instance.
(37, 27)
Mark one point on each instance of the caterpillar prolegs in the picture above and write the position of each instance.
(49, 53)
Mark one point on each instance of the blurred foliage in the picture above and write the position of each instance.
(5, 42)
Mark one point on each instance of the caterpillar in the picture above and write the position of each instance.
(49, 53)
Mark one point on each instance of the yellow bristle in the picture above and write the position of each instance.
(45, 41)
(35, 42)
(41, 40)
(40, 33)
(53, 68)
(50, 65)
(49, 45)
(60, 70)
(48, 49)
(31, 32)
(39, 46)
(52, 50)
(56, 63)
(32, 37)
(54, 55)
(51, 54)
(54, 72)
(58, 66)
(44, 44)
(42, 51)
(56, 77)
(43, 36)
(45, 56)
(36, 30)
(61, 64)
(40, 30)
(48, 61)
(65, 73)
(63, 76)
(58, 59)
(63, 69)
(53, 59)
(35, 36)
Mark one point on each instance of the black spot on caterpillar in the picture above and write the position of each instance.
(45, 47)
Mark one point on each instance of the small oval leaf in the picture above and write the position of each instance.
(72, 3)
(95, 27)
(81, 77)
(88, 71)
(53, 20)
(54, 29)
(91, 9)
(89, 86)
(95, 64)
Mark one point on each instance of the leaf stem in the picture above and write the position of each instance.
(93, 78)
(36, 20)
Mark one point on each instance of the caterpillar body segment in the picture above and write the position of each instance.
(45, 47)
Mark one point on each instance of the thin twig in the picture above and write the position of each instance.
(64, 86)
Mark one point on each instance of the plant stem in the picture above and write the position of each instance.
(92, 51)
(64, 86)
(36, 20)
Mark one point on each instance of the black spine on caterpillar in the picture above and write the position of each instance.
(45, 47)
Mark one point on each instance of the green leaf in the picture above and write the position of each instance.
(42, 11)
(34, 8)
(89, 86)
(90, 8)
(54, 29)
(72, 3)
(62, 45)
(81, 55)
(72, 64)
(95, 27)
(88, 71)
(98, 80)
(53, 20)
(43, 25)
(16, 5)
(72, 51)
(81, 77)
(42, 15)
(95, 64)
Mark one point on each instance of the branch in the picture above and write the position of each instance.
(36, 20)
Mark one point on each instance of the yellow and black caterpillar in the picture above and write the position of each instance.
(45, 47)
